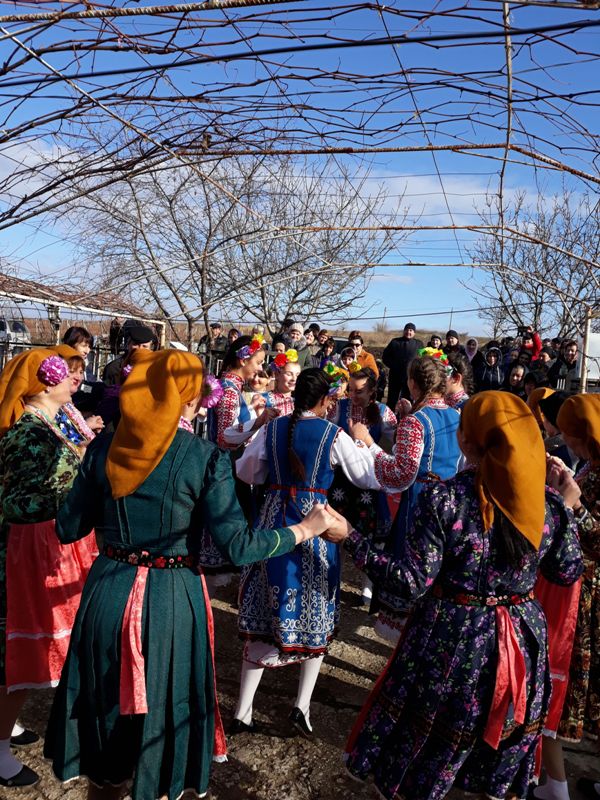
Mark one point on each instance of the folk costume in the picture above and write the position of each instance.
(137, 694)
(284, 403)
(426, 451)
(464, 698)
(292, 602)
(579, 416)
(230, 426)
(365, 508)
(40, 579)
(289, 608)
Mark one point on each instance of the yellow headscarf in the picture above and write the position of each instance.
(65, 350)
(19, 380)
(150, 400)
(533, 401)
(512, 471)
(579, 416)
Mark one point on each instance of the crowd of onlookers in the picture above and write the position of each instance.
(515, 364)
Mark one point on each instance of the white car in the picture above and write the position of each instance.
(14, 333)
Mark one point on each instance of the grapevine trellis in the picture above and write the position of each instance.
(93, 96)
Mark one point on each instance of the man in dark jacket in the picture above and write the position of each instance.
(564, 370)
(397, 356)
(140, 337)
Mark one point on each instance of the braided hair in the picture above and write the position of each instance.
(372, 414)
(311, 387)
(429, 376)
(461, 366)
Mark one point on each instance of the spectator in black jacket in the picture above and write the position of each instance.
(453, 344)
(140, 337)
(564, 369)
(396, 357)
(491, 375)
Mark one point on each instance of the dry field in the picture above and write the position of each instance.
(275, 765)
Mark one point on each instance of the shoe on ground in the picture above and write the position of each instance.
(237, 726)
(26, 777)
(299, 722)
(24, 739)
(587, 786)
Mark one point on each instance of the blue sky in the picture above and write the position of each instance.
(455, 198)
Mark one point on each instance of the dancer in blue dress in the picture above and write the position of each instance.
(426, 451)
(289, 608)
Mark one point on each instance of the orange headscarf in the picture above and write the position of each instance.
(533, 401)
(579, 416)
(150, 400)
(65, 350)
(19, 380)
(512, 471)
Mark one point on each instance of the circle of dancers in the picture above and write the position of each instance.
(473, 519)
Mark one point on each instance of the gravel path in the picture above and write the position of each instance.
(275, 765)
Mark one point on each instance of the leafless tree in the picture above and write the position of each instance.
(546, 254)
(257, 244)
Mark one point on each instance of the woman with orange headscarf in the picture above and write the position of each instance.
(137, 694)
(464, 697)
(579, 423)
(40, 580)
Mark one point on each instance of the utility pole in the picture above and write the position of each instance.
(583, 370)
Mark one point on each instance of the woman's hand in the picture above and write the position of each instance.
(563, 482)
(360, 431)
(314, 524)
(265, 416)
(403, 408)
(96, 423)
(339, 527)
(258, 402)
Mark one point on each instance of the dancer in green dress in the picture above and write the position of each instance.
(137, 695)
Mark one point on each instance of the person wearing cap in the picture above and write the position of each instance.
(463, 700)
(139, 337)
(453, 344)
(137, 694)
(578, 420)
(397, 356)
(40, 579)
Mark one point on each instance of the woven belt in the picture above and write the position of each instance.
(461, 599)
(142, 558)
(293, 490)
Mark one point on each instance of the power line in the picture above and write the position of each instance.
(242, 55)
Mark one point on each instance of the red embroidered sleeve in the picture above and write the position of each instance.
(399, 470)
(228, 410)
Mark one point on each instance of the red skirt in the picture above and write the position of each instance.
(560, 604)
(44, 581)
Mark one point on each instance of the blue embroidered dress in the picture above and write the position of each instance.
(292, 602)
(426, 451)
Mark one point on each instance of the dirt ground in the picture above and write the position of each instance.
(275, 765)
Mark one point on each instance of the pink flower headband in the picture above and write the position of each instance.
(212, 392)
(53, 370)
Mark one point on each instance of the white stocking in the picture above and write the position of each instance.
(250, 678)
(309, 672)
(9, 765)
(17, 729)
(552, 790)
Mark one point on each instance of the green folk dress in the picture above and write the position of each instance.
(169, 748)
